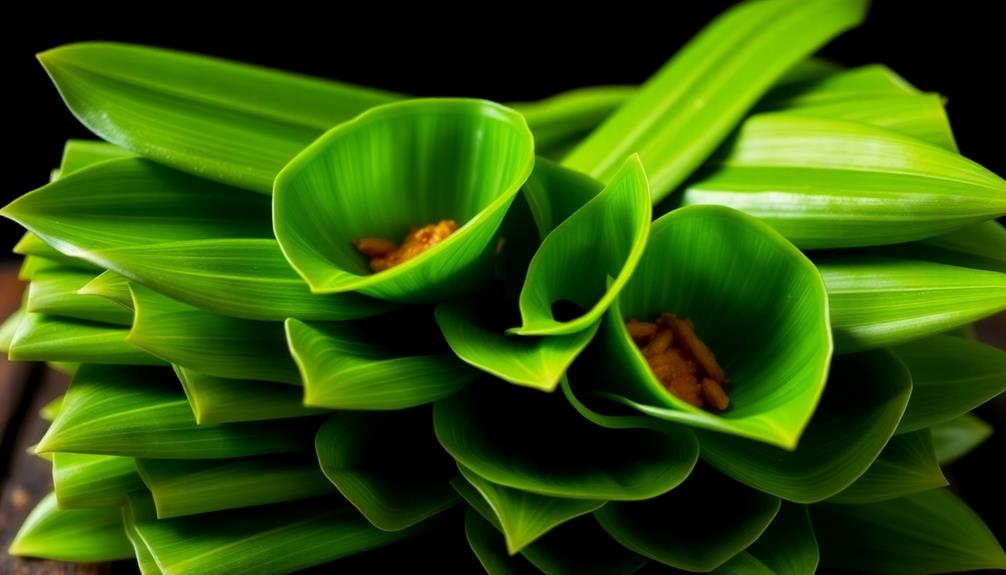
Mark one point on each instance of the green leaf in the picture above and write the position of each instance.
(554, 193)
(799, 174)
(244, 278)
(368, 178)
(906, 465)
(209, 343)
(877, 302)
(356, 366)
(689, 106)
(694, 527)
(957, 437)
(536, 362)
(522, 517)
(813, 85)
(568, 116)
(222, 400)
(56, 292)
(50, 338)
(111, 286)
(85, 535)
(222, 120)
(32, 245)
(386, 465)
(985, 241)
(604, 238)
(787, 547)
(950, 376)
(578, 546)
(201, 486)
(264, 540)
(134, 202)
(919, 116)
(82, 480)
(930, 532)
(859, 412)
(537, 443)
(144, 560)
(488, 546)
(48, 411)
(140, 412)
(9, 329)
(727, 272)
(79, 154)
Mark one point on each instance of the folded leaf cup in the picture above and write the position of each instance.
(755, 300)
(399, 167)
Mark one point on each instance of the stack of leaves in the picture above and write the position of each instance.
(248, 396)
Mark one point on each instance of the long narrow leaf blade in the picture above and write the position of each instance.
(85, 535)
(140, 412)
(686, 109)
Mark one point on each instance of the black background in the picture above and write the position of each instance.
(508, 53)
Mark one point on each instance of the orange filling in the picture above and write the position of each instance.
(385, 254)
(681, 361)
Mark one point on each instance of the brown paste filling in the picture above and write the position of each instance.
(385, 254)
(681, 361)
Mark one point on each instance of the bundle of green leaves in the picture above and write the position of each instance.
(249, 397)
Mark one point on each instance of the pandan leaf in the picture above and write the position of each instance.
(921, 116)
(366, 178)
(985, 241)
(9, 328)
(604, 238)
(222, 400)
(950, 376)
(32, 245)
(578, 546)
(221, 120)
(111, 286)
(697, 527)
(554, 193)
(244, 278)
(51, 338)
(787, 547)
(67, 367)
(724, 270)
(537, 443)
(85, 535)
(957, 437)
(930, 532)
(82, 480)
(144, 560)
(48, 411)
(688, 107)
(522, 517)
(353, 366)
(827, 183)
(536, 362)
(201, 486)
(878, 302)
(386, 465)
(488, 546)
(55, 292)
(140, 412)
(568, 116)
(811, 87)
(859, 412)
(134, 202)
(264, 540)
(79, 154)
(213, 344)
(906, 465)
